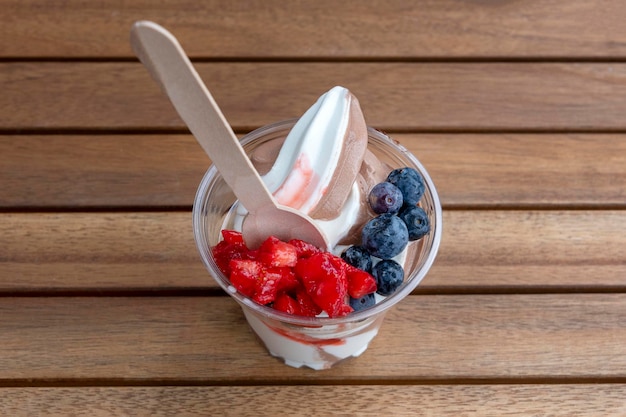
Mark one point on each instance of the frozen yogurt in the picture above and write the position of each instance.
(311, 307)
(324, 168)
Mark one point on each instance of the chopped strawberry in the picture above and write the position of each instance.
(274, 252)
(244, 275)
(344, 310)
(223, 252)
(233, 237)
(312, 270)
(255, 280)
(304, 249)
(360, 283)
(287, 281)
(330, 295)
(324, 278)
(306, 303)
(287, 304)
(231, 247)
(295, 276)
(267, 287)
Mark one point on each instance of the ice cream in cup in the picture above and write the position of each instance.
(304, 163)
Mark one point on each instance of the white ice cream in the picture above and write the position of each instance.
(309, 156)
(308, 159)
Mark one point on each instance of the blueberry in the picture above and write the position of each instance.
(358, 256)
(385, 198)
(385, 236)
(416, 221)
(389, 275)
(363, 302)
(410, 183)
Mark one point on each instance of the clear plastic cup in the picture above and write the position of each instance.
(314, 342)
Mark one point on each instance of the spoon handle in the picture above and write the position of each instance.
(162, 55)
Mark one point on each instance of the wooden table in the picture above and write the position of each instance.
(517, 109)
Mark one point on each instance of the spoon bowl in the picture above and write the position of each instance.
(161, 53)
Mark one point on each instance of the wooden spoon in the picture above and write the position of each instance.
(162, 55)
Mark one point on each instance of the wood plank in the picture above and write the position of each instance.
(86, 171)
(364, 29)
(484, 338)
(470, 170)
(548, 170)
(405, 96)
(116, 251)
(480, 251)
(397, 400)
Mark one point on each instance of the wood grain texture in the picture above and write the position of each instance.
(515, 107)
(480, 251)
(73, 171)
(364, 400)
(547, 170)
(378, 29)
(114, 251)
(424, 338)
(469, 170)
(407, 96)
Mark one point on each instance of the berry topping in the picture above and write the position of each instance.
(416, 221)
(274, 252)
(301, 305)
(306, 303)
(286, 279)
(358, 257)
(324, 278)
(385, 198)
(233, 237)
(232, 247)
(244, 274)
(410, 183)
(364, 302)
(304, 249)
(287, 304)
(389, 275)
(385, 236)
(360, 283)
(294, 277)
(257, 281)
